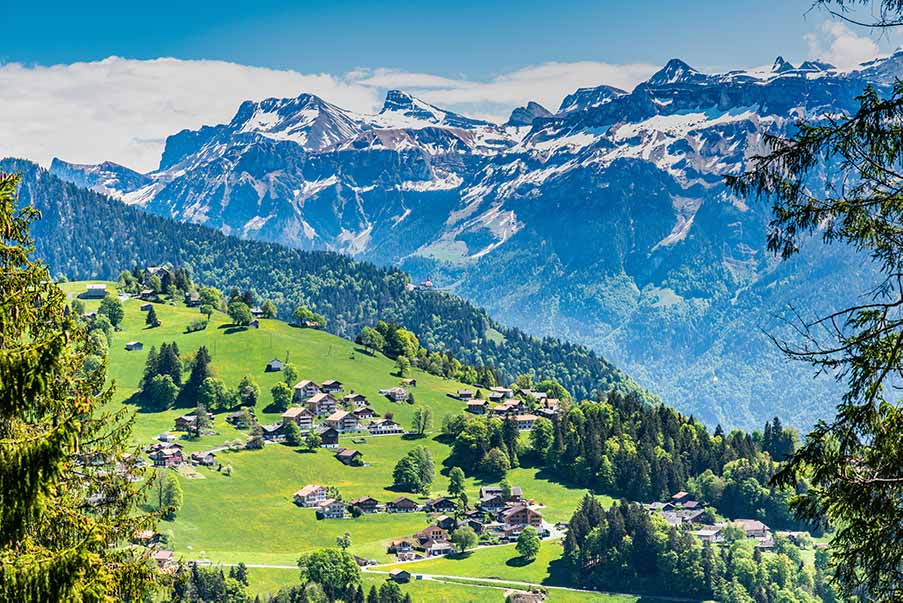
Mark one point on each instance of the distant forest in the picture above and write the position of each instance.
(85, 235)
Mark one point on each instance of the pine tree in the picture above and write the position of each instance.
(54, 546)
(151, 319)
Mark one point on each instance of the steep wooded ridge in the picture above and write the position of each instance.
(605, 223)
(86, 235)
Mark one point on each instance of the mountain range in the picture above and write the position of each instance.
(605, 222)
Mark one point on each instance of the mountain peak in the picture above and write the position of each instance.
(781, 66)
(398, 100)
(524, 116)
(408, 107)
(673, 72)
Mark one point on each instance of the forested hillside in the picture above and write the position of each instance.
(87, 235)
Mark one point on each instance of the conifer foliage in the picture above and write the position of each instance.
(65, 516)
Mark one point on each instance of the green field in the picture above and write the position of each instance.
(250, 516)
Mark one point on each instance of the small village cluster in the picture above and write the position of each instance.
(318, 408)
(682, 511)
(504, 404)
(495, 517)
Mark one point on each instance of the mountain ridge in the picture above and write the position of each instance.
(602, 221)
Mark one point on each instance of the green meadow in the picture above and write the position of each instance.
(249, 516)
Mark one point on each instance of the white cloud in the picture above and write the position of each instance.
(839, 45)
(122, 110)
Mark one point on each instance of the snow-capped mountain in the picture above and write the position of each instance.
(606, 222)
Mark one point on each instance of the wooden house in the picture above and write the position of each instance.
(300, 416)
(329, 436)
(304, 390)
(331, 509)
(349, 457)
(465, 394)
(356, 400)
(402, 504)
(442, 504)
(434, 533)
(521, 515)
(397, 394)
(400, 576)
(367, 504)
(321, 404)
(364, 413)
(477, 407)
(343, 421)
(384, 427)
(310, 495)
(134, 346)
(331, 386)
(169, 456)
(94, 291)
(525, 422)
(203, 458)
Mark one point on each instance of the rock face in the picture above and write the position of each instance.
(606, 222)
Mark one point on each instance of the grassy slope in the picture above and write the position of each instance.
(250, 517)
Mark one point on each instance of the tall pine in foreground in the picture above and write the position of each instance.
(67, 506)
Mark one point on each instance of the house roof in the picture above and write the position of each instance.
(332, 382)
(308, 489)
(303, 384)
(317, 398)
(295, 411)
(347, 453)
(524, 418)
(338, 415)
(750, 524)
(402, 500)
(364, 500)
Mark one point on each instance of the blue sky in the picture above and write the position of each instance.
(471, 39)
(124, 75)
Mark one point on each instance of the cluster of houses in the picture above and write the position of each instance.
(167, 454)
(494, 516)
(682, 511)
(501, 402)
(319, 408)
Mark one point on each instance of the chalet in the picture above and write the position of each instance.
(274, 366)
(399, 575)
(300, 416)
(164, 559)
(367, 504)
(145, 537)
(257, 312)
(187, 422)
(275, 431)
(160, 271)
(134, 346)
(322, 404)
(659, 506)
(192, 299)
(505, 392)
(305, 389)
(474, 524)
(331, 386)
(680, 498)
(356, 400)
(329, 436)
(384, 427)
(203, 458)
(522, 515)
(435, 548)
(434, 533)
(145, 307)
(169, 456)
(149, 295)
(517, 493)
(94, 291)
(697, 516)
(494, 396)
(349, 457)
(233, 418)
(402, 504)
(465, 394)
(397, 394)
(343, 421)
(525, 422)
(331, 509)
(477, 407)
(672, 518)
(167, 437)
(409, 382)
(443, 504)
(254, 324)
(492, 504)
(549, 407)
(446, 522)
(508, 407)
(752, 527)
(311, 495)
(362, 562)
(710, 535)
(364, 413)
(400, 545)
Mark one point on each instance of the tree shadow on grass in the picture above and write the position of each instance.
(459, 556)
(230, 329)
(413, 436)
(518, 562)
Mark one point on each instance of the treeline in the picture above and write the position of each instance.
(87, 235)
(625, 548)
